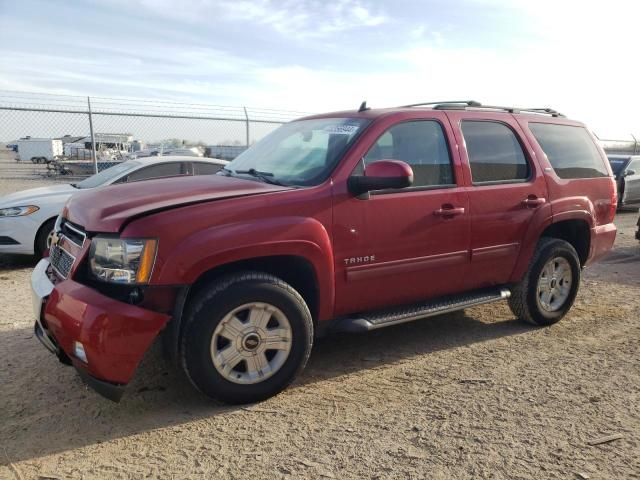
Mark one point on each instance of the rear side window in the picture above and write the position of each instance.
(495, 154)
(570, 150)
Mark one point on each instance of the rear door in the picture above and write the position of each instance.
(506, 188)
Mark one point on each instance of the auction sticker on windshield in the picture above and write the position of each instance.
(341, 129)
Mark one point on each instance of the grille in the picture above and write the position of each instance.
(61, 261)
(73, 233)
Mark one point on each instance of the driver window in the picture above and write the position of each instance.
(422, 145)
(162, 170)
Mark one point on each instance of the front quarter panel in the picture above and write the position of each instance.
(196, 239)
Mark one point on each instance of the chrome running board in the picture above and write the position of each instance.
(407, 313)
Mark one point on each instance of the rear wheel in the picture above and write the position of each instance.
(246, 337)
(549, 288)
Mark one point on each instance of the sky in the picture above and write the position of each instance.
(579, 57)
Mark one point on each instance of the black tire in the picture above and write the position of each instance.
(41, 237)
(524, 301)
(208, 308)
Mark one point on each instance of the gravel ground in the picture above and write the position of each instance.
(469, 395)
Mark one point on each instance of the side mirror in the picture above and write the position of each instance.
(629, 172)
(381, 175)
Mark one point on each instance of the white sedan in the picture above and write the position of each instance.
(27, 217)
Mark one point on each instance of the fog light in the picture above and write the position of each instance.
(78, 351)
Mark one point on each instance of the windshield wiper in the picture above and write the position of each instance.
(266, 177)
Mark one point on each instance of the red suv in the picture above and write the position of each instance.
(348, 221)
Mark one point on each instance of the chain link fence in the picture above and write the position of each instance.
(621, 146)
(65, 136)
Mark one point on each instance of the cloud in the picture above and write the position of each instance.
(317, 56)
(291, 18)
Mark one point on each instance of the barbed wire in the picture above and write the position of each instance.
(76, 103)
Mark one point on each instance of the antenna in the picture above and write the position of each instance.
(363, 107)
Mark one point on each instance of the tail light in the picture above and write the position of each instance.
(613, 207)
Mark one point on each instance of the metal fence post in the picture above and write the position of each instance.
(94, 155)
(246, 116)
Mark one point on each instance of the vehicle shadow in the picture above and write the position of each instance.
(47, 409)
(14, 262)
(620, 266)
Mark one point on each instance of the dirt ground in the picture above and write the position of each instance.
(475, 394)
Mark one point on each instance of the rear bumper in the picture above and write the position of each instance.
(113, 334)
(602, 239)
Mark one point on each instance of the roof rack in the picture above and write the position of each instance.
(468, 103)
(465, 104)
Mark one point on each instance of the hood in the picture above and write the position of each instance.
(35, 196)
(108, 209)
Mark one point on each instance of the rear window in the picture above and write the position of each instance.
(570, 150)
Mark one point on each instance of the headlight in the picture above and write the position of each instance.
(125, 261)
(18, 211)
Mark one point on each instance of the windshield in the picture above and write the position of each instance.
(617, 164)
(298, 153)
(108, 174)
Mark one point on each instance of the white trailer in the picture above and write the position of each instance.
(39, 150)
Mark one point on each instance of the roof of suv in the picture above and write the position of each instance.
(470, 105)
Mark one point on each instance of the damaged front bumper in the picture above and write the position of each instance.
(103, 338)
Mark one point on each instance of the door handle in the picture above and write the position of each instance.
(533, 201)
(449, 211)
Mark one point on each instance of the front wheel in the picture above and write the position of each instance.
(246, 337)
(43, 237)
(549, 288)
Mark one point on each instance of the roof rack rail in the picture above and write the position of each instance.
(464, 104)
(549, 111)
(468, 103)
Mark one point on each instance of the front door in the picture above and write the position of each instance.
(631, 193)
(507, 188)
(401, 246)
